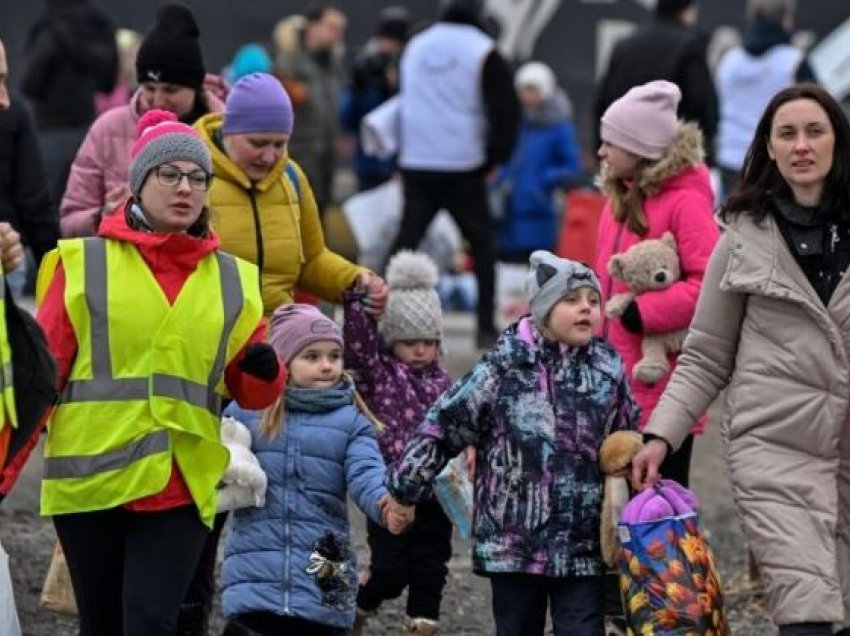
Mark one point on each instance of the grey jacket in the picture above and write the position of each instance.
(761, 329)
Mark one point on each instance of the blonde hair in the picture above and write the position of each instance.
(272, 420)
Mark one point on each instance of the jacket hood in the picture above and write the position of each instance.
(209, 127)
(763, 35)
(522, 350)
(553, 110)
(677, 168)
(183, 249)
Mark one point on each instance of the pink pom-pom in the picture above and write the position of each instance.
(152, 118)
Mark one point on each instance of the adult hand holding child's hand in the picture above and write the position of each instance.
(376, 292)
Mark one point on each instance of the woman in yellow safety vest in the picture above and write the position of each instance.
(152, 326)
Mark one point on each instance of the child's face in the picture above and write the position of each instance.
(316, 366)
(621, 163)
(574, 318)
(416, 353)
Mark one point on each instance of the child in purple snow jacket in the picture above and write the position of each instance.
(399, 377)
(537, 408)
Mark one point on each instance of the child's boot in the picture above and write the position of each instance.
(424, 626)
(360, 622)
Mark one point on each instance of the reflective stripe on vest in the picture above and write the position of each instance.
(8, 409)
(104, 387)
(137, 423)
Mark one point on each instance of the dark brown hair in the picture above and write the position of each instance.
(760, 180)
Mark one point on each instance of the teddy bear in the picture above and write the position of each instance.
(650, 265)
(615, 455)
(244, 482)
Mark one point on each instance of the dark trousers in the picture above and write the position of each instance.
(416, 559)
(676, 466)
(464, 195)
(130, 570)
(268, 624)
(196, 608)
(520, 602)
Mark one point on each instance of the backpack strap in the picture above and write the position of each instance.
(289, 170)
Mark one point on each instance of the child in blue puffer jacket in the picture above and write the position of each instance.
(536, 408)
(289, 566)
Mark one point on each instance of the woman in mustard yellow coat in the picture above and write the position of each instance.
(262, 205)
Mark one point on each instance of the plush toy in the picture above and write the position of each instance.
(244, 482)
(616, 454)
(650, 265)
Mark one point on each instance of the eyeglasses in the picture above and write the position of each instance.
(171, 176)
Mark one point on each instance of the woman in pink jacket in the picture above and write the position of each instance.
(656, 181)
(170, 71)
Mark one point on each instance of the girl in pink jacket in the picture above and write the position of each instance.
(656, 182)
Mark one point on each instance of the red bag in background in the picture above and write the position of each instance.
(577, 236)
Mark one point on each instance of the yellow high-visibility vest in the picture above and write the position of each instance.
(8, 410)
(147, 381)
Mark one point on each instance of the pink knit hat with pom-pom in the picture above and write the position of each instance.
(160, 138)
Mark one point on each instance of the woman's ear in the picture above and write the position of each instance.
(770, 152)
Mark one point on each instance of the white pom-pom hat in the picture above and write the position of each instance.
(413, 309)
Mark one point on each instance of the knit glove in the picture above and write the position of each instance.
(260, 360)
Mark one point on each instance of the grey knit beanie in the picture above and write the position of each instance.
(413, 309)
(551, 278)
(160, 138)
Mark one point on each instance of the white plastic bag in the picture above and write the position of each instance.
(9, 624)
(454, 491)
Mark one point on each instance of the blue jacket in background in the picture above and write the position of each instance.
(546, 157)
(293, 557)
(367, 90)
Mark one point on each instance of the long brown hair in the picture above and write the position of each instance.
(273, 418)
(627, 201)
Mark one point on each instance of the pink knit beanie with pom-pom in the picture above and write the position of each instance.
(160, 139)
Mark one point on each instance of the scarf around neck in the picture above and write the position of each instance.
(319, 400)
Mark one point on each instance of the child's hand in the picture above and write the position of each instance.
(396, 516)
(376, 291)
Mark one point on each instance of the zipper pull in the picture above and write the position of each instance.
(834, 229)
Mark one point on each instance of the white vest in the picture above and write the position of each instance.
(745, 85)
(443, 124)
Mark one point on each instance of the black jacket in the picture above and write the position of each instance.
(70, 55)
(24, 198)
(664, 49)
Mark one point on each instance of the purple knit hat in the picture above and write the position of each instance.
(257, 103)
(643, 121)
(293, 327)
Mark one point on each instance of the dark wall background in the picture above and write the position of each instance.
(568, 43)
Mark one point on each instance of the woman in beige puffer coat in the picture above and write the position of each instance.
(773, 324)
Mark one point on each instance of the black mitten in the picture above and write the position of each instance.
(261, 361)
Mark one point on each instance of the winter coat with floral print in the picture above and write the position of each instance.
(398, 395)
(536, 412)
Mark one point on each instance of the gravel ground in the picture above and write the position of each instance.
(466, 605)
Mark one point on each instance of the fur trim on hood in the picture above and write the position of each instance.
(686, 152)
